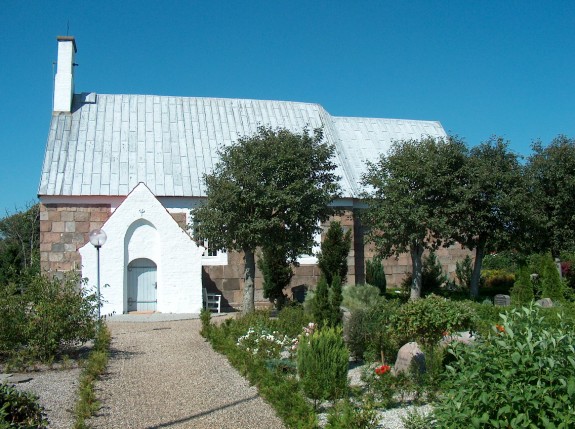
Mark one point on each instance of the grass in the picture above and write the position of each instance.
(94, 367)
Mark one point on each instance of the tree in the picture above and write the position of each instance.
(492, 210)
(277, 273)
(551, 172)
(332, 259)
(268, 189)
(19, 243)
(412, 187)
(375, 274)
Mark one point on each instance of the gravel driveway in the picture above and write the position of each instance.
(164, 375)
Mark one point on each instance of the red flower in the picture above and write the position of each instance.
(500, 328)
(380, 370)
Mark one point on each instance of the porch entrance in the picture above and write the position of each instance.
(142, 285)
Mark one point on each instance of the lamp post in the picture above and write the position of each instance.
(98, 238)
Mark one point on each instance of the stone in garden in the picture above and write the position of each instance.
(408, 355)
(465, 337)
(545, 303)
(20, 378)
(4, 377)
(502, 300)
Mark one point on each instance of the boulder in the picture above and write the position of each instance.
(545, 303)
(408, 355)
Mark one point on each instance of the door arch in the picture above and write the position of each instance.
(142, 285)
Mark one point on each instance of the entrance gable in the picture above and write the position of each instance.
(142, 228)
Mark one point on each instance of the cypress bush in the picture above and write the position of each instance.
(551, 284)
(276, 273)
(522, 292)
(375, 275)
(322, 364)
(335, 301)
(332, 259)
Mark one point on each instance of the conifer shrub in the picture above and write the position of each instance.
(375, 274)
(335, 300)
(464, 271)
(551, 283)
(322, 364)
(276, 272)
(522, 292)
(521, 375)
(320, 306)
(332, 259)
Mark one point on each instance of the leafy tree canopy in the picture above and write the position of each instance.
(492, 212)
(412, 189)
(269, 188)
(551, 172)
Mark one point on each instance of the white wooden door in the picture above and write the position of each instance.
(142, 285)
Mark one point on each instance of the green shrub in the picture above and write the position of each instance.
(346, 415)
(522, 375)
(332, 259)
(371, 332)
(496, 282)
(426, 320)
(375, 274)
(335, 300)
(276, 272)
(416, 420)
(551, 284)
(432, 276)
(463, 272)
(522, 292)
(291, 319)
(360, 297)
(45, 318)
(322, 364)
(20, 409)
(205, 318)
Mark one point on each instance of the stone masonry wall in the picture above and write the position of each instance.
(64, 228)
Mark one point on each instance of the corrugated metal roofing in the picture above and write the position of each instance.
(110, 143)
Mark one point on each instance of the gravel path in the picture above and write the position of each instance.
(164, 375)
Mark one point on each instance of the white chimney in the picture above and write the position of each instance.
(64, 82)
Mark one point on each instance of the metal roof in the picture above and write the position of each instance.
(110, 143)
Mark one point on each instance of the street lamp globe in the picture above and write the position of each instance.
(98, 237)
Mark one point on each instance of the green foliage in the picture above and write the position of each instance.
(332, 259)
(205, 318)
(492, 209)
(266, 190)
(463, 271)
(291, 319)
(552, 173)
(45, 318)
(432, 276)
(507, 260)
(426, 320)
(416, 420)
(322, 363)
(357, 297)
(282, 392)
(375, 274)
(19, 245)
(371, 332)
(497, 282)
(88, 404)
(522, 292)
(20, 410)
(551, 284)
(335, 300)
(321, 308)
(522, 375)
(346, 415)
(413, 194)
(276, 272)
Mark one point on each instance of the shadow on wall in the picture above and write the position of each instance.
(211, 287)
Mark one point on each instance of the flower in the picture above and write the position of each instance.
(500, 328)
(380, 370)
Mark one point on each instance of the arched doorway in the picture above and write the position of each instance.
(142, 285)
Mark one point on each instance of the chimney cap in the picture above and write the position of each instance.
(68, 39)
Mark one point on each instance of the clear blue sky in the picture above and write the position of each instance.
(478, 67)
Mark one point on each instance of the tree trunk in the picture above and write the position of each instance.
(476, 275)
(416, 252)
(249, 276)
